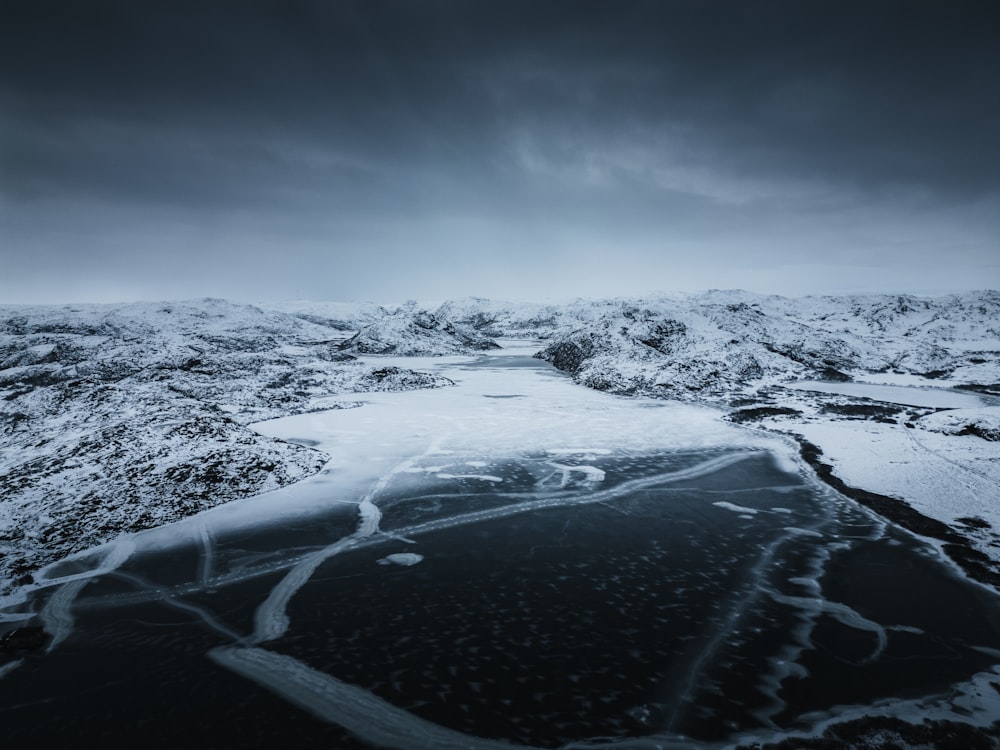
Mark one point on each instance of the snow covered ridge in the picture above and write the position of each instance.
(410, 331)
(121, 418)
(407, 330)
(718, 344)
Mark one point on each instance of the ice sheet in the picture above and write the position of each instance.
(368, 443)
(391, 439)
(935, 398)
(359, 711)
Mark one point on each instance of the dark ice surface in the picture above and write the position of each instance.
(736, 600)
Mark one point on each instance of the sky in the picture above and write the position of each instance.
(386, 150)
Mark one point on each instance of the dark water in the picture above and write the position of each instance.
(653, 612)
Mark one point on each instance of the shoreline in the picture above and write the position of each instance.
(974, 563)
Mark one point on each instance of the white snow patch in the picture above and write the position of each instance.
(803, 532)
(786, 462)
(405, 559)
(591, 474)
(483, 477)
(737, 508)
(57, 616)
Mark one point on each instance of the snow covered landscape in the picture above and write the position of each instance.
(500, 375)
(226, 460)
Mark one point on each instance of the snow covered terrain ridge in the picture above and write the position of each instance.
(121, 418)
(720, 344)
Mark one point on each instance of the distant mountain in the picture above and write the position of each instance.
(410, 331)
(406, 330)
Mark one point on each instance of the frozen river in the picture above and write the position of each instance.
(515, 561)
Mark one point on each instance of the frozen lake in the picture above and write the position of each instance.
(929, 397)
(512, 561)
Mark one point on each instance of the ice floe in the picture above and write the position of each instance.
(406, 559)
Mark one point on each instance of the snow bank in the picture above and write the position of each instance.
(983, 422)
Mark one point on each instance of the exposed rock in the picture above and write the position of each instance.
(410, 331)
(760, 412)
(568, 355)
(879, 412)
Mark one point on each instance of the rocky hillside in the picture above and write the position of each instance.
(120, 418)
(411, 331)
(720, 344)
(407, 330)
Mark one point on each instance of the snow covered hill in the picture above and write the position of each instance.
(120, 418)
(407, 330)
(410, 331)
(720, 344)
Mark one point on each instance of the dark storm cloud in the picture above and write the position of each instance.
(642, 117)
(871, 93)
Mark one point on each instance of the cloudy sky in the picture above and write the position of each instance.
(520, 149)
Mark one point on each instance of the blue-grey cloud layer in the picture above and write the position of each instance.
(358, 149)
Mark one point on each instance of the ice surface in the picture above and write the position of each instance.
(359, 711)
(936, 398)
(109, 556)
(481, 477)
(374, 720)
(271, 619)
(9, 667)
(403, 439)
(974, 701)
(57, 617)
(840, 612)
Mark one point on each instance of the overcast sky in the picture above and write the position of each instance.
(384, 150)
